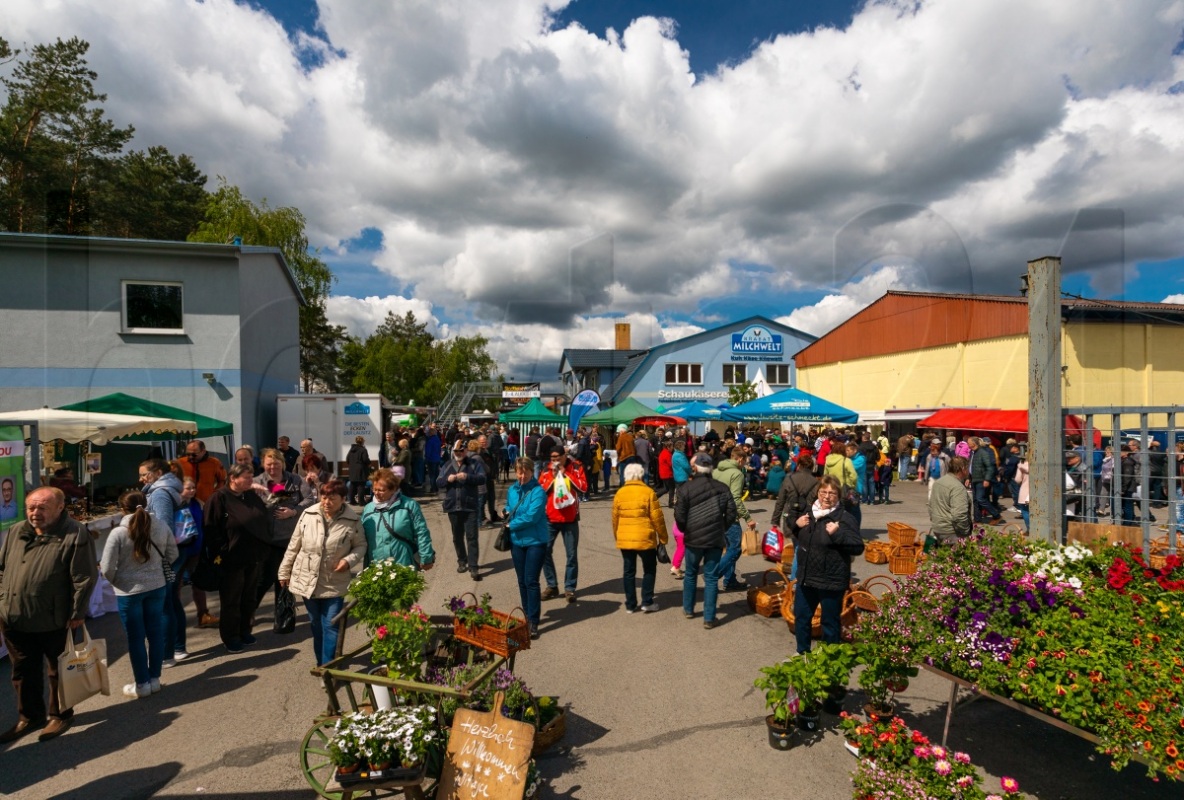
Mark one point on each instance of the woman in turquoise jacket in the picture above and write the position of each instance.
(526, 519)
(394, 525)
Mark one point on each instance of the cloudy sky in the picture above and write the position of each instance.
(535, 170)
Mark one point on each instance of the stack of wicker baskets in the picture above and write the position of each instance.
(904, 550)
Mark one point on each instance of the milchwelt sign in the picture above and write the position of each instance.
(757, 343)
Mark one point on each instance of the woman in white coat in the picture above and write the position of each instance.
(326, 546)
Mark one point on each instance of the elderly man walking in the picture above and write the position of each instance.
(949, 504)
(47, 570)
(704, 511)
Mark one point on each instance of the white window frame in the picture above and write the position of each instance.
(769, 368)
(743, 366)
(691, 370)
(126, 328)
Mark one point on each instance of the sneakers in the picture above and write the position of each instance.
(154, 685)
(549, 592)
(233, 647)
(571, 597)
(708, 624)
(629, 610)
(207, 621)
(688, 614)
(180, 655)
(461, 568)
(249, 640)
(534, 631)
(137, 690)
(651, 608)
(169, 662)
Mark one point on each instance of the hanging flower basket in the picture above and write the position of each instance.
(504, 634)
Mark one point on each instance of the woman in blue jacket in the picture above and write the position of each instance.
(526, 519)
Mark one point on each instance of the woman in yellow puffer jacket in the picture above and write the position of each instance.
(639, 528)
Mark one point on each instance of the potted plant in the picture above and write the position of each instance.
(401, 640)
(815, 675)
(781, 699)
(345, 749)
(478, 623)
(837, 660)
(383, 587)
(884, 675)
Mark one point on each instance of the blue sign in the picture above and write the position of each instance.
(357, 407)
(584, 402)
(757, 343)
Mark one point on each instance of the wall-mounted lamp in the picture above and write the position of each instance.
(1024, 285)
(209, 378)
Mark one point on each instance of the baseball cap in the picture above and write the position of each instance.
(703, 460)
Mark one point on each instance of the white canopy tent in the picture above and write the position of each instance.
(100, 429)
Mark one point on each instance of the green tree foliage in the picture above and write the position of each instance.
(404, 362)
(56, 145)
(741, 393)
(152, 194)
(228, 216)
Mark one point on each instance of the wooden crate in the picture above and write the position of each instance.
(903, 560)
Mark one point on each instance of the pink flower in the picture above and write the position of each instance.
(942, 767)
(921, 752)
(939, 751)
(1010, 785)
(994, 797)
(962, 758)
(381, 632)
(965, 782)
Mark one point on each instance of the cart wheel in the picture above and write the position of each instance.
(314, 756)
(318, 769)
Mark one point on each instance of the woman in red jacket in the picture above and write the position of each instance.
(563, 480)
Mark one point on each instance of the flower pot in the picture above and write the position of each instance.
(873, 713)
(851, 747)
(382, 695)
(833, 704)
(781, 737)
(808, 719)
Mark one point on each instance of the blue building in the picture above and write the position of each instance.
(703, 366)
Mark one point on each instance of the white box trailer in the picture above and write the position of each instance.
(333, 421)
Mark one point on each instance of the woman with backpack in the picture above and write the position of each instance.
(797, 494)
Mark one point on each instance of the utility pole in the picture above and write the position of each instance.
(1045, 437)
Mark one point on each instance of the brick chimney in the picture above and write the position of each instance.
(623, 338)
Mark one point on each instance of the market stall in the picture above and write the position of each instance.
(791, 405)
(624, 412)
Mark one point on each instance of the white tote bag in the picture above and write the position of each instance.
(82, 670)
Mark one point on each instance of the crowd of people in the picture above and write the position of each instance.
(281, 522)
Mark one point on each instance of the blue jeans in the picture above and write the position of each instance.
(174, 613)
(805, 600)
(528, 562)
(649, 565)
(727, 565)
(709, 557)
(143, 618)
(983, 504)
(867, 494)
(324, 631)
(571, 543)
(1023, 507)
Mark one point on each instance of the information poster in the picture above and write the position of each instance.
(12, 477)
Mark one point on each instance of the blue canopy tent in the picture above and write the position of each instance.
(791, 405)
(695, 411)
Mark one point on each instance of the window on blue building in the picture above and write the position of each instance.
(735, 374)
(684, 374)
(777, 374)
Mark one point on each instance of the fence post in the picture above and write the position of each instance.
(1045, 420)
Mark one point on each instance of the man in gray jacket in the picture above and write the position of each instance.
(47, 571)
(949, 504)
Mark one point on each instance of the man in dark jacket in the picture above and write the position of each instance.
(982, 477)
(460, 478)
(357, 462)
(48, 568)
(703, 510)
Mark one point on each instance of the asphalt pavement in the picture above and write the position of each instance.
(659, 707)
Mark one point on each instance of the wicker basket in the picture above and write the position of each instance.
(787, 552)
(766, 598)
(901, 534)
(1157, 554)
(505, 640)
(876, 552)
(902, 560)
(847, 617)
(868, 595)
(549, 735)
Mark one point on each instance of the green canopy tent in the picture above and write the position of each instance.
(533, 413)
(623, 412)
(120, 403)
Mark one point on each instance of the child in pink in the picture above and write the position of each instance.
(676, 556)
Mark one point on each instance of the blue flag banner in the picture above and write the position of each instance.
(583, 403)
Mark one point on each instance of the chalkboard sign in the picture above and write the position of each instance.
(487, 756)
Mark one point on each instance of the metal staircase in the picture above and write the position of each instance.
(459, 400)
